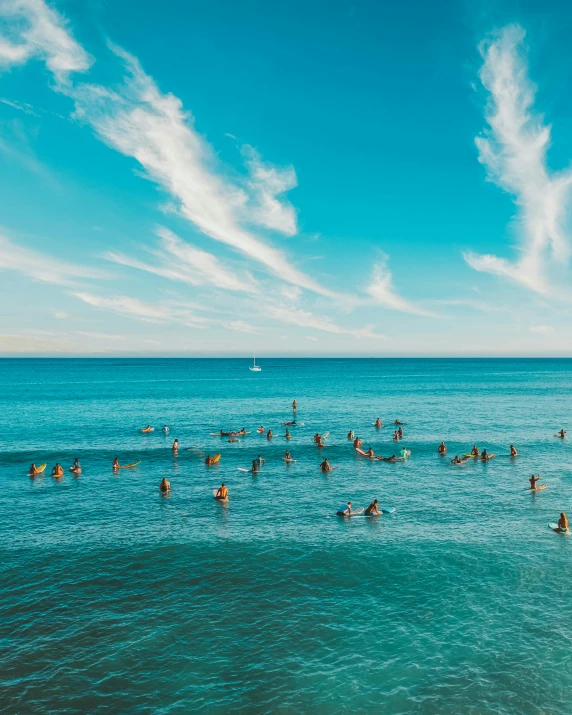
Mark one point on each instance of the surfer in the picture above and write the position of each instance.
(76, 467)
(396, 436)
(442, 448)
(292, 423)
(533, 480)
(175, 446)
(288, 435)
(398, 422)
(260, 461)
(287, 457)
(165, 429)
(57, 471)
(294, 405)
(320, 442)
(269, 434)
(147, 429)
(345, 510)
(400, 433)
(561, 434)
(357, 442)
(221, 492)
(513, 452)
(370, 453)
(260, 430)
(378, 423)
(393, 458)
(484, 455)
(373, 509)
(350, 434)
(238, 434)
(317, 438)
(325, 466)
(116, 463)
(404, 453)
(165, 486)
(563, 522)
(475, 451)
(34, 470)
(255, 464)
(457, 460)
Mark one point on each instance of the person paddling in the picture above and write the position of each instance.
(345, 510)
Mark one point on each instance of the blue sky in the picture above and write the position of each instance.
(304, 178)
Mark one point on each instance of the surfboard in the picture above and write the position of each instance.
(557, 529)
(473, 456)
(538, 489)
(487, 458)
(39, 470)
(381, 425)
(383, 510)
(288, 460)
(325, 435)
(145, 431)
(242, 469)
(128, 466)
(215, 491)
(75, 471)
(361, 451)
(355, 512)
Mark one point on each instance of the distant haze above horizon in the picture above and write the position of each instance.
(352, 179)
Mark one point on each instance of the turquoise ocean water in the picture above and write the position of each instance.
(114, 598)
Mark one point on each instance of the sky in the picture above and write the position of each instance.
(304, 178)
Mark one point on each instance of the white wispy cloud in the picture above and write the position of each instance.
(153, 128)
(542, 329)
(35, 30)
(305, 319)
(513, 150)
(381, 289)
(40, 267)
(178, 260)
(266, 183)
(169, 312)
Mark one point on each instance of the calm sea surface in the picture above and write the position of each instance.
(116, 599)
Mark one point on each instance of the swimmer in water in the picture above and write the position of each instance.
(325, 466)
(260, 461)
(400, 433)
(116, 463)
(320, 443)
(378, 423)
(175, 447)
(221, 492)
(350, 434)
(269, 434)
(57, 471)
(165, 486)
(294, 405)
(260, 430)
(357, 442)
(456, 460)
(165, 429)
(373, 509)
(442, 448)
(513, 452)
(563, 522)
(396, 436)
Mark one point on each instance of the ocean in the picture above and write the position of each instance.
(117, 599)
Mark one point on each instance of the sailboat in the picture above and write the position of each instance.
(255, 367)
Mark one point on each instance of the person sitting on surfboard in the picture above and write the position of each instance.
(287, 457)
(561, 434)
(165, 486)
(288, 435)
(357, 442)
(346, 511)
(373, 509)
(269, 434)
(370, 452)
(475, 450)
(513, 452)
(222, 492)
(325, 466)
(350, 434)
(563, 522)
(484, 455)
(175, 447)
(147, 429)
(533, 481)
(33, 470)
(116, 463)
(442, 448)
(378, 423)
(456, 460)
(57, 471)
